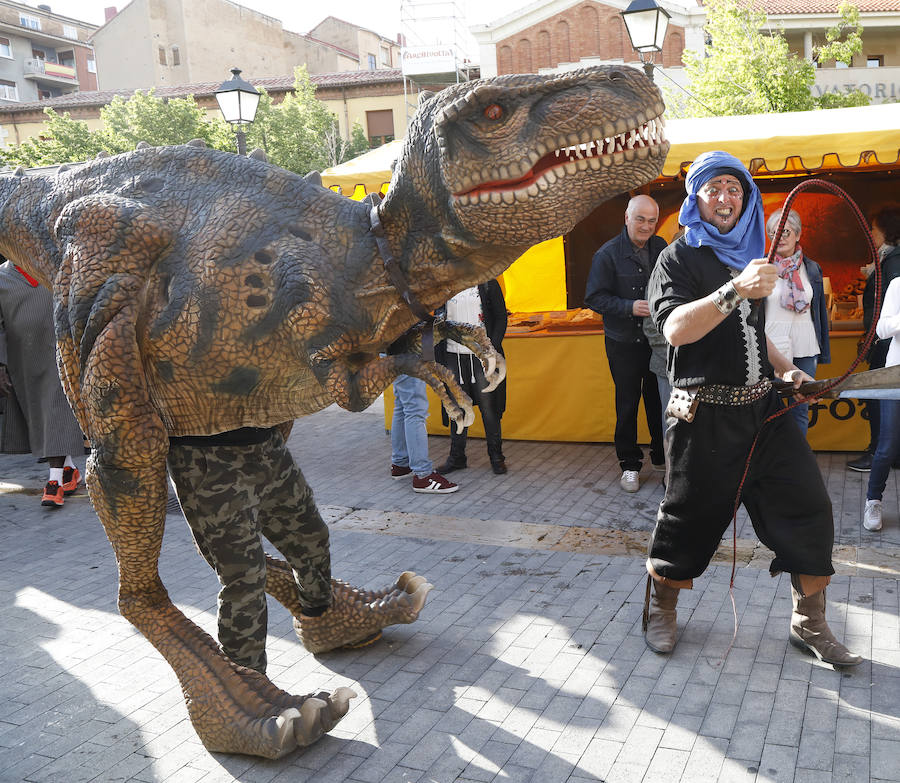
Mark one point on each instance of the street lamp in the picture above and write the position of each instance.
(646, 23)
(237, 101)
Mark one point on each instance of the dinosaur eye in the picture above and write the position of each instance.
(493, 112)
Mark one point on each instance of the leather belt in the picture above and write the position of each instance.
(720, 394)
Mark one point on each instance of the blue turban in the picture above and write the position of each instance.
(747, 239)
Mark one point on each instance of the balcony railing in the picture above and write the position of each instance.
(38, 67)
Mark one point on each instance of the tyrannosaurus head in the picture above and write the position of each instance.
(523, 158)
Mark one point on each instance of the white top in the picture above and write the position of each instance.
(889, 322)
(464, 308)
(792, 333)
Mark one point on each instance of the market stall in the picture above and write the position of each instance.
(559, 387)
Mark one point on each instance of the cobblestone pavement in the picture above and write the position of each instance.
(527, 663)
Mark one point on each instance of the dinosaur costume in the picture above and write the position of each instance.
(198, 292)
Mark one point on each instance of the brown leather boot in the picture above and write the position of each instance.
(660, 628)
(810, 632)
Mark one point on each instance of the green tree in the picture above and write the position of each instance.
(746, 70)
(159, 122)
(844, 40)
(64, 141)
(359, 142)
(294, 132)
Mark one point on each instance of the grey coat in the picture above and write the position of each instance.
(37, 415)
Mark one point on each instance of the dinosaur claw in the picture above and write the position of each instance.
(405, 578)
(284, 730)
(417, 599)
(340, 702)
(490, 366)
(308, 728)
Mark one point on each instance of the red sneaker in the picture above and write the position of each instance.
(71, 477)
(399, 472)
(53, 495)
(435, 484)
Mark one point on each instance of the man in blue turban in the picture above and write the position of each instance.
(720, 365)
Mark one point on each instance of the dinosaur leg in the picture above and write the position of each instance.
(290, 520)
(232, 709)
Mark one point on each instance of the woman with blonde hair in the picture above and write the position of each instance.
(796, 312)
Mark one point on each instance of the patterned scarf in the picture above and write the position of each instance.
(793, 297)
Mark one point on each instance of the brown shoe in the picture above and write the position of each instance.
(811, 633)
(660, 627)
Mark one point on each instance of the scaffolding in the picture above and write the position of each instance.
(436, 46)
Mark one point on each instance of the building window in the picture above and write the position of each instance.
(66, 58)
(92, 66)
(5, 48)
(162, 56)
(380, 126)
(874, 61)
(176, 56)
(31, 22)
(70, 32)
(839, 64)
(8, 90)
(386, 56)
(372, 64)
(44, 95)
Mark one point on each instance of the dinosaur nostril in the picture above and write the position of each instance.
(254, 281)
(255, 300)
(299, 232)
(263, 257)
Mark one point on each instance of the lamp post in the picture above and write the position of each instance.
(237, 101)
(646, 23)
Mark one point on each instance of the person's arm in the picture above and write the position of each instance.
(600, 292)
(889, 321)
(692, 321)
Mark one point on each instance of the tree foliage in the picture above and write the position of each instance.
(745, 69)
(299, 134)
(294, 132)
(844, 40)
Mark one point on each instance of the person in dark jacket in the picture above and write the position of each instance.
(485, 306)
(616, 288)
(890, 268)
(796, 311)
(37, 415)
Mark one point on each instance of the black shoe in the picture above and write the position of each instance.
(499, 466)
(861, 465)
(449, 466)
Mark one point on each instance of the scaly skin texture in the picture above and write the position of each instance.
(198, 291)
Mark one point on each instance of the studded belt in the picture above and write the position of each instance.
(720, 394)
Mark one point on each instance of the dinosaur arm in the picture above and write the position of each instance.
(476, 340)
(355, 386)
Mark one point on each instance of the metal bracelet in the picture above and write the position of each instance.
(726, 298)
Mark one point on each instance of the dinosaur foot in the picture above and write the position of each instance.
(356, 617)
(271, 727)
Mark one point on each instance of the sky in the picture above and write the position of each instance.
(382, 16)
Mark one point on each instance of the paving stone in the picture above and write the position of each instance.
(527, 664)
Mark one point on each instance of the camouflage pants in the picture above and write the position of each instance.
(232, 494)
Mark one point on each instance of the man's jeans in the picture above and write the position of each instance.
(409, 440)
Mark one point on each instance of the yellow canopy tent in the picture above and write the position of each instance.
(791, 143)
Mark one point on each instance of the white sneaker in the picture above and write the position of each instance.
(629, 481)
(872, 515)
